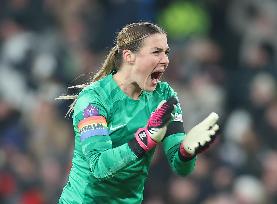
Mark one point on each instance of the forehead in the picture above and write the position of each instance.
(155, 41)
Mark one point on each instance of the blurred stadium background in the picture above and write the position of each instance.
(223, 59)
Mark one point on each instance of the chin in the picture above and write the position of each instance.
(149, 86)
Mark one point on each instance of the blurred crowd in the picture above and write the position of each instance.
(223, 59)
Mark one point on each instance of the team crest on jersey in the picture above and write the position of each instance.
(90, 110)
(178, 117)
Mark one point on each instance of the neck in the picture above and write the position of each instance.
(127, 85)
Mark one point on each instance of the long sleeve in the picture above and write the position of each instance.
(105, 161)
(171, 146)
(173, 139)
(90, 125)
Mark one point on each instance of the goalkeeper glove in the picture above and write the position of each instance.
(199, 137)
(155, 130)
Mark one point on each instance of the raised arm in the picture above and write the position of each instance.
(181, 148)
(171, 145)
(90, 119)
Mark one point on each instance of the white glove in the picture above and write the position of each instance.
(200, 136)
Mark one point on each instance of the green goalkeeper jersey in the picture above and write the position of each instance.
(107, 166)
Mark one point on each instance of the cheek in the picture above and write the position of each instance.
(144, 70)
(142, 76)
(139, 71)
(146, 66)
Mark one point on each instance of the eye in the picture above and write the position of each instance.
(167, 52)
(157, 52)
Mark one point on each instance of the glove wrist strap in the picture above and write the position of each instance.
(184, 155)
(144, 139)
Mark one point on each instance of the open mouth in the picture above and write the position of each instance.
(156, 76)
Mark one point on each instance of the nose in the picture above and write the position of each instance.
(164, 59)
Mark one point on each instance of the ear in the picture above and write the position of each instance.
(128, 56)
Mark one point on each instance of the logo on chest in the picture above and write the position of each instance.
(117, 127)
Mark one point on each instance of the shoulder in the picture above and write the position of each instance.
(96, 90)
(95, 94)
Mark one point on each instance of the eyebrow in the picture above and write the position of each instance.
(160, 49)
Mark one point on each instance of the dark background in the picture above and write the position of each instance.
(223, 59)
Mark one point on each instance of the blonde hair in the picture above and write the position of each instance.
(130, 38)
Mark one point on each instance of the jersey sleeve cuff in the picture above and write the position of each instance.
(184, 155)
(136, 148)
(174, 127)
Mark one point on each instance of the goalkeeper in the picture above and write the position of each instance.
(120, 118)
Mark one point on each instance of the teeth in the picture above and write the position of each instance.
(155, 81)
